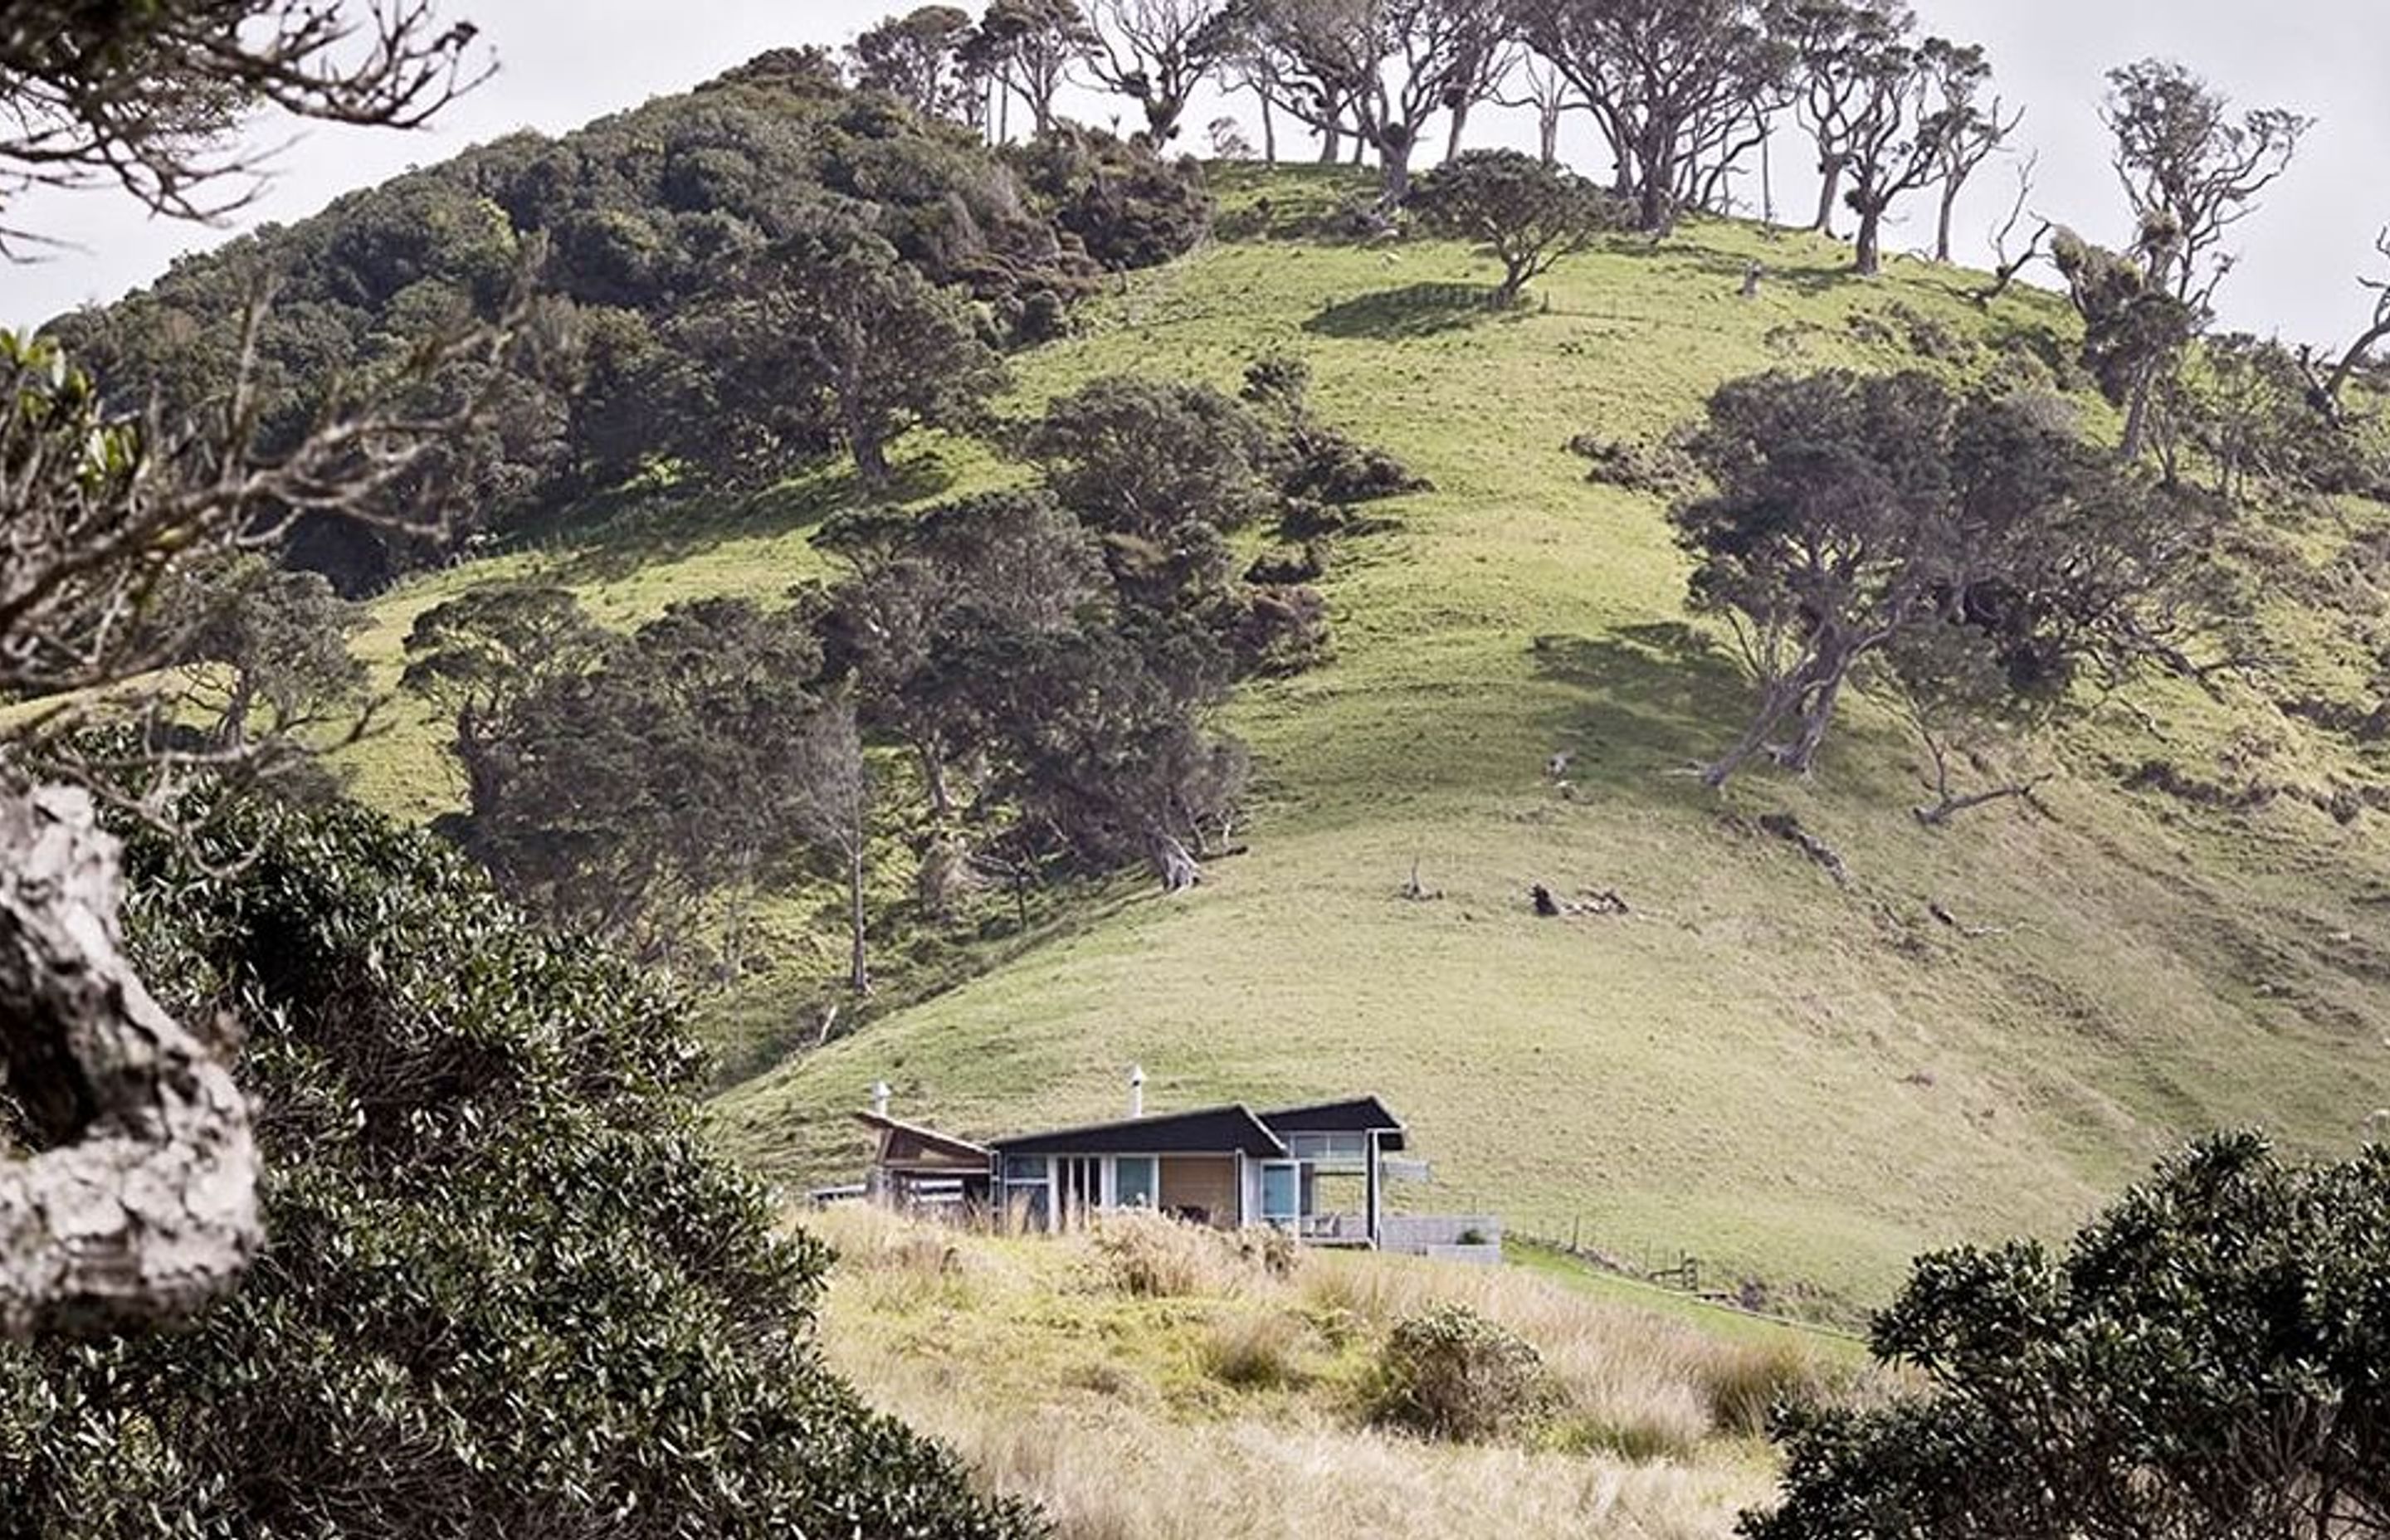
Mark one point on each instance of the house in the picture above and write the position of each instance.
(1318, 1172)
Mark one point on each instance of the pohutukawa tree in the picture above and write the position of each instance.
(1529, 214)
(916, 57)
(1852, 514)
(828, 338)
(1897, 141)
(1971, 129)
(1026, 48)
(1389, 66)
(1653, 73)
(2134, 330)
(1156, 53)
(129, 1193)
(1833, 44)
(2191, 169)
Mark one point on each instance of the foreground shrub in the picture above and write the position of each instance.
(507, 1293)
(2206, 1359)
(1450, 1373)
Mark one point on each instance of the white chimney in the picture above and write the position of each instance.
(880, 1099)
(1137, 1090)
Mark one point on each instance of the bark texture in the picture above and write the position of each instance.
(139, 1201)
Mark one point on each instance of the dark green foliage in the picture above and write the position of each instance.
(507, 1293)
(1853, 512)
(640, 216)
(1123, 204)
(628, 779)
(1320, 469)
(912, 57)
(2206, 1359)
(1142, 459)
(2131, 326)
(1529, 214)
(825, 337)
(1450, 1373)
(277, 644)
(1045, 709)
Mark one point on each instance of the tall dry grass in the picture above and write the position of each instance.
(1155, 1381)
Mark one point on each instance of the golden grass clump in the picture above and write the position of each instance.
(1152, 1256)
(1253, 1349)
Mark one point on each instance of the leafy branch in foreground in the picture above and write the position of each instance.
(2204, 1360)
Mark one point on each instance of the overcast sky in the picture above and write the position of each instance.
(565, 61)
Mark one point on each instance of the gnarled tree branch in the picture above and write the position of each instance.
(140, 1202)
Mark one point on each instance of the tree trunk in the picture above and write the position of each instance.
(1459, 122)
(1659, 191)
(1394, 168)
(858, 966)
(1331, 142)
(1827, 190)
(1941, 222)
(2136, 414)
(1176, 867)
(1816, 716)
(870, 451)
(1269, 133)
(933, 777)
(1871, 241)
(1548, 130)
(1777, 699)
(140, 1202)
(1161, 117)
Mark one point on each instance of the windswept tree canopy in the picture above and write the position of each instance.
(1529, 214)
(1851, 512)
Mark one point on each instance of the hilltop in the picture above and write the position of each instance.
(1801, 1083)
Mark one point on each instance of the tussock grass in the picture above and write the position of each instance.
(1234, 1402)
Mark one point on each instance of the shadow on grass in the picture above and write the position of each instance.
(1654, 697)
(673, 523)
(1419, 310)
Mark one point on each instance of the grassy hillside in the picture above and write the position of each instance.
(1214, 1400)
(1801, 1082)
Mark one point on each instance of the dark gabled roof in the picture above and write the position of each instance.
(1205, 1131)
(962, 1150)
(1358, 1115)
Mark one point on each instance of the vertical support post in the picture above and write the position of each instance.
(1371, 1182)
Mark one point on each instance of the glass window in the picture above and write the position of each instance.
(1329, 1148)
(1281, 1193)
(1136, 1182)
(1024, 1168)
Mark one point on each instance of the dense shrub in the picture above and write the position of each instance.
(1659, 469)
(638, 215)
(2206, 1358)
(1124, 206)
(508, 1293)
(1450, 1373)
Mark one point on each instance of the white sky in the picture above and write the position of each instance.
(566, 61)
